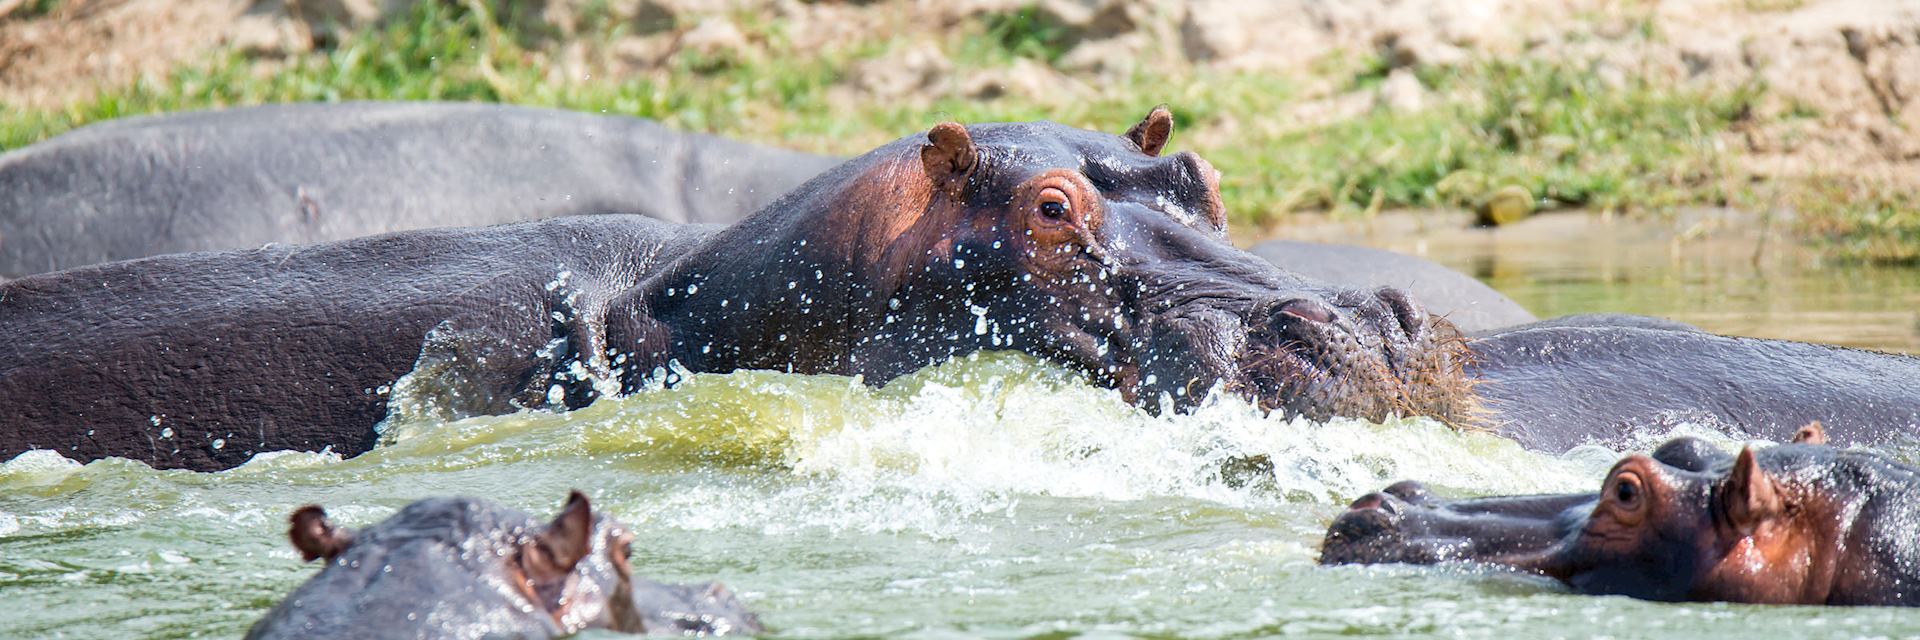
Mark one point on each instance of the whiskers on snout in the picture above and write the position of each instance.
(1395, 361)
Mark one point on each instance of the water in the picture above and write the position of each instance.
(994, 497)
(1724, 271)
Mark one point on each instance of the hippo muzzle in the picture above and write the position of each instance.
(1291, 345)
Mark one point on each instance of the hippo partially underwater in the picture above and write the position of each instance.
(469, 568)
(1089, 250)
(310, 173)
(1802, 523)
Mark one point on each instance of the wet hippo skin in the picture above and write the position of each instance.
(1553, 386)
(1468, 303)
(469, 568)
(1803, 523)
(310, 173)
(1087, 249)
(1090, 250)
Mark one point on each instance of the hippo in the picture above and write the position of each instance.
(469, 568)
(1604, 379)
(1471, 305)
(1092, 251)
(1803, 523)
(309, 173)
(312, 173)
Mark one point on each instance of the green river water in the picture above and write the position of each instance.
(992, 497)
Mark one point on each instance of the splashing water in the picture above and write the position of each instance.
(989, 497)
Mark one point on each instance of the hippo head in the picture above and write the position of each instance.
(1738, 533)
(1688, 523)
(458, 562)
(1406, 523)
(1088, 249)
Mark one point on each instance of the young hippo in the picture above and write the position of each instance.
(1802, 523)
(467, 568)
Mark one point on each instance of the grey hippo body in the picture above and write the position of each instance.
(1085, 249)
(1469, 304)
(312, 173)
(469, 568)
(1553, 386)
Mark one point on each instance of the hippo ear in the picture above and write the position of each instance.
(552, 554)
(1749, 496)
(1151, 133)
(314, 536)
(1813, 433)
(949, 157)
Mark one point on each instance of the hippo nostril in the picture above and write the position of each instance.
(1375, 500)
(1410, 491)
(1411, 316)
(1304, 309)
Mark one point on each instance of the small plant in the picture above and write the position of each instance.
(1023, 33)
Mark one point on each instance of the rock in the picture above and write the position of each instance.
(321, 15)
(1890, 64)
(1081, 20)
(714, 37)
(912, 72)
(643, 52)
(1510, 204)
(1118, 55)
(654, 16)
(1419, 49)
(1026, 78)
(268, 36)
(1811, 69)
(1401, 92)
(1215, 31)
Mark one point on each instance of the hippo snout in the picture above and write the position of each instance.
(1404, 314)
(1412, 491)
(1354, 353)
(1369, 532)
(1387, 311)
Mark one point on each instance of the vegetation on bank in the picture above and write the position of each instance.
(1568, 136)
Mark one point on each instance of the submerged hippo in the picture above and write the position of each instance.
(1802, 523)
(1469, 304)
(310, 173)
(467, 568)
(1086, 249)
(307, 173)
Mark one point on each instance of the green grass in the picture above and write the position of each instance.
(1556, 131)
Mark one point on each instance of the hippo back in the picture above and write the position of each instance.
(308, 173)
(1470, 304)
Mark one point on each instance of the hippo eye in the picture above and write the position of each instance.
(1053, 204)
(1627, 490)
